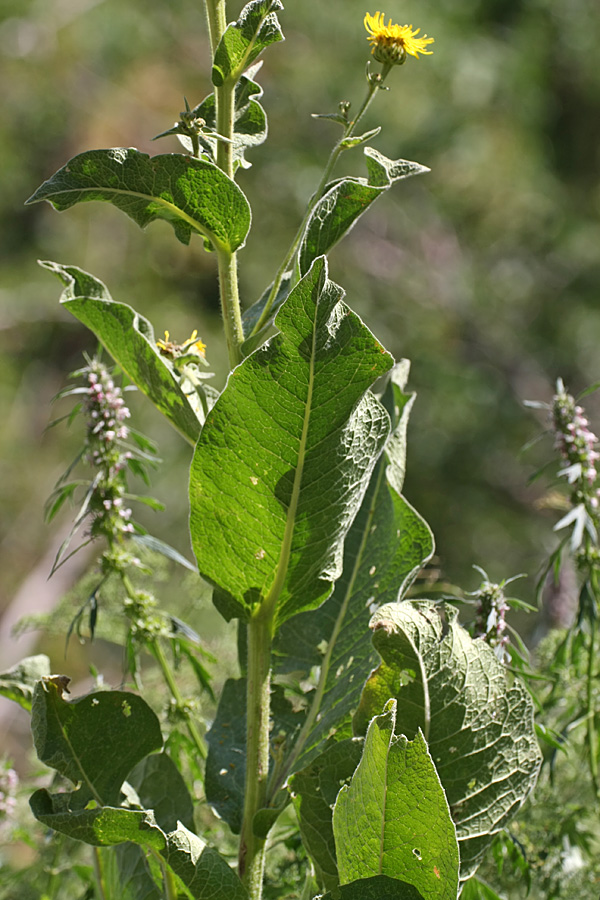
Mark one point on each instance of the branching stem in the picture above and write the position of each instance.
(374, 84)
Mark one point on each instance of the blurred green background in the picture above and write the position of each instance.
(485, 272)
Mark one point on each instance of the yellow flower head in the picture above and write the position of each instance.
(173, 350)
(390, 43)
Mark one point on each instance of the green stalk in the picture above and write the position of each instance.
(374, 84)
(252, 848)
(217, 21)
(98, 871)
(591, 717)
(157, 651)
(230, 304)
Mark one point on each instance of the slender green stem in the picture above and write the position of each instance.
(225, 97)
(157, 651)
(217, 21)
(159, 655)
(230, 304)
(374, 84)
(252, 848)
(99, 873)
(591, 711)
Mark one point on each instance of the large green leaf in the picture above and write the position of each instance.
(476, 717)
(381, 887)
(199, 868)
(347, 199)
(385, 549)
(286, 454)
(159, 786)
(393, 819)
(193, 195)
(257, 27)
(314, 791)
(18, 682)
(96, 741)
(129, 338)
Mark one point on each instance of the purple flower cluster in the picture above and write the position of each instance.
(9, 781)
(106, 413)
(578, 446)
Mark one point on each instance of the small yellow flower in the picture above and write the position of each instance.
(390, 43)
(173, 350)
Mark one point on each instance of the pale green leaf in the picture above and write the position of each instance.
(476, 717)
(384, 550)
(193, 195)
(286, 454)
(393, 819)
(130, 340)
(18, 682)
(257, 27)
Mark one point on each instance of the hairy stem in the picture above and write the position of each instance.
(230, 305)
(374, 83)
(217, 21)
(252, 848)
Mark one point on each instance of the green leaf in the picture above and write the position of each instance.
(199, 869)
(94, 741)
(475, 889)
(249, 120)
(314, 790)
(129, 338)
(346, 200)
(193, 195)
(159, 786)
(226, 763)
(251, 316)
(381, 887)
(393, 819)
(477, 719)
(286, 454)
(384, 550)
(256, 28)
(356, 140)
(18, 682)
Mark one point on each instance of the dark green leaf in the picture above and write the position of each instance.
(226, 762)
(160, 787)
(314, 790)
(193, 195)
(381, 887)
(256, 28)
(129, 338)
(477, 718)
(18, 682)
(251, 316)
(393, 819)
(199, 870)
(474, 889)
(94, 741)
(286, 454)
(346, 200)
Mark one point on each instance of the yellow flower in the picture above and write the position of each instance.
(170, 348)
(390, 43)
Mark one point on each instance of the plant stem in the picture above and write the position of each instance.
(374, 84)
(230, 305)
(217, 21)
(591, 712)
(252, 848)
(99, 873)
(159, 655)
(157, 651)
